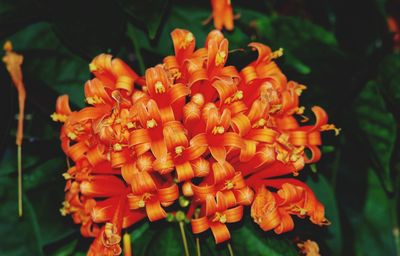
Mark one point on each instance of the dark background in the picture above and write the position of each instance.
(341, 49)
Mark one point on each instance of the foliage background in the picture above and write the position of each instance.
(341, 49)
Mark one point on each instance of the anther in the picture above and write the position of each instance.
(159, 87)
(151, 123)
(219, 59)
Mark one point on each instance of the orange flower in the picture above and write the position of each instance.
(273, 210)
(222, 14)
(13, 63)
(192, 125)
(309, 248)
(217, 213)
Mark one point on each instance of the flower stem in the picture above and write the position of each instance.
(185, 245)
(230, 249)
(19, 159)
(198, 246)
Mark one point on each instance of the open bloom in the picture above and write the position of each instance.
(223, 138)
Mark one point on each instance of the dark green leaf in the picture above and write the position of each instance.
(46, 172)
(374, 231)
(147, 13)
(86, 27)
(20, 236)
(47, 60)
(389, 78)
(378, 130)
(249, 239)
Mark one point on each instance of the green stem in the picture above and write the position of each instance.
(19, 159)
(230, 249)
(198, 246)
(185, 244)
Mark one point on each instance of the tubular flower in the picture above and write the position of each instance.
(309, 248)
(222, 14)
(13, 62)
(224, 138)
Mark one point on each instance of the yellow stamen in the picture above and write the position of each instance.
(275, 108)
(117, 147)
(131, 125)
(218, 129)
(276, 54)
(220, 57)
(187, 40)
(239, 95)
(151, 123)
(65, 209)
(260, 123)
(282, 155)
(175, 74)
(284, 140)
(220, 217)
(67, 176)
(142, 203)
(72, 135)
(299, 89)
(58, 117)
(300, 110)
(92, 67)
(94, 100)
(198, 99)
(229, 184)
(179, 150)
(159, 87)
(330, 127)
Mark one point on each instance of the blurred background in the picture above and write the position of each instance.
(345, 51)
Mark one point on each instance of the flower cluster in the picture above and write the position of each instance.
(192, 127)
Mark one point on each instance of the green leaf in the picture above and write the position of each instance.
(20, 236)
(179, 18)
(148, 13)
(66, 249)
(374, 230)
(288, 32)
(389, 78)
(86, 27)
(50, 64)
(246, 238)
(46, 172)
(168, 240)
(249, 239)
(377, 129)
